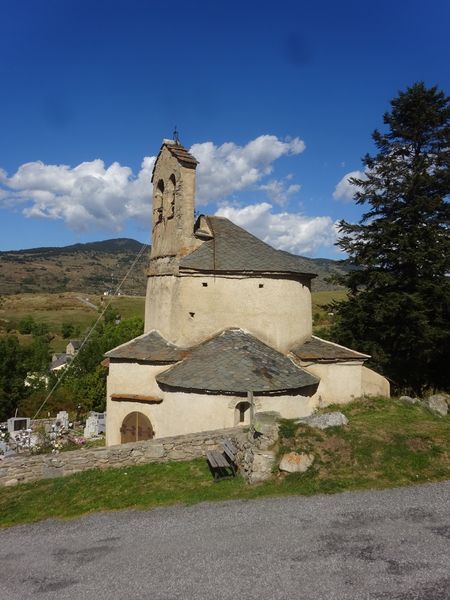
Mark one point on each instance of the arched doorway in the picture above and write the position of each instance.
(136, 427)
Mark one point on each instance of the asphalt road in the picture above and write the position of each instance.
(392, 544)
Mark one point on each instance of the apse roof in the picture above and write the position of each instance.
(150, 347)
(317, 349)
(236, 362)
(234, 249)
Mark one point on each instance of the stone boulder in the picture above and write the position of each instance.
(296, 463)
(332, 419)
(437, 404)
(266, 422)
(261, 469)
(409, 400)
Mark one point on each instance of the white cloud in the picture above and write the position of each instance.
(93, 195)
(86, 196)
(277, 190)
(229, 168)
(287, 231)
(344, 190)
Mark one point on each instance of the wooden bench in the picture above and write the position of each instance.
(223, 464)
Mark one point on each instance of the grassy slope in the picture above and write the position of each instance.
(55, 309)
(386, 444)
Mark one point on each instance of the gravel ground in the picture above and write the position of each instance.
(392, 544)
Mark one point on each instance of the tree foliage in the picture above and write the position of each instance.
(84, 383)
(87, 378)
(399, 302)
(13, 370)
(69, 330)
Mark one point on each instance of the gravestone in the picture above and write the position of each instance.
(16, 424)
(95, 425)
(63, 419)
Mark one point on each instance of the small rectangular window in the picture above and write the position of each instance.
(204, 284)
(261, 285)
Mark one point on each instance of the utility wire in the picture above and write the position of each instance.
(90, 332)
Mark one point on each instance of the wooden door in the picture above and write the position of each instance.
(136, 427)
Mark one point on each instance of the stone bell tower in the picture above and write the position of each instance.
(173, 208)
(172, 234)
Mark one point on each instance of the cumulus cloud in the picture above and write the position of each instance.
(293, 232)
(86, 196)
(345, 190)
(230, 168)
(278, 191)
(94, 195)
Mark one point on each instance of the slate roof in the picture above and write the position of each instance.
(150, 347)
(234, 249)
(61, 360)
(180, 153)
(317, 349)
(236, 362)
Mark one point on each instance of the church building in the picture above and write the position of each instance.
(226, 314)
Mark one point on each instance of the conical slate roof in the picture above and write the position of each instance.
(232, 249)
(150, 347)
(317, 349)
(236, 362)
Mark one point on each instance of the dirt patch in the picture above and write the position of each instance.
(334, 448)
(417, 444)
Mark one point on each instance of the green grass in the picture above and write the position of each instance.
(321, 316)
(386, 444)
(56, 309)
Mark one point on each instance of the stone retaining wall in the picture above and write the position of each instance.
(24, 468)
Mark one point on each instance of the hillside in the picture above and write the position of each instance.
(93, 268)
(97, 267)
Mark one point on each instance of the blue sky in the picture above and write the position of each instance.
(278, 100)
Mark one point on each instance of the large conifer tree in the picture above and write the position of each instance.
(399, 301)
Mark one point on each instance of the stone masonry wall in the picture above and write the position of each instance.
(24, 468)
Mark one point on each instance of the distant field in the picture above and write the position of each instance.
(322, 317)
(83, 309)
(55, 309)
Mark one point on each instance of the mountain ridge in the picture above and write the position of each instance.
(98, 267)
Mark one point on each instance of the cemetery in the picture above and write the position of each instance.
(26, 437)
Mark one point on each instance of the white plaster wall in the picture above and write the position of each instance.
(181, 412)
(159, 300)
(374, 384)
(339, 382)
(290, 407)
(128, 378)
(343, 382)
(278, 313)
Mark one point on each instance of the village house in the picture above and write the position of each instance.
(60, 360)
(226, 314)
